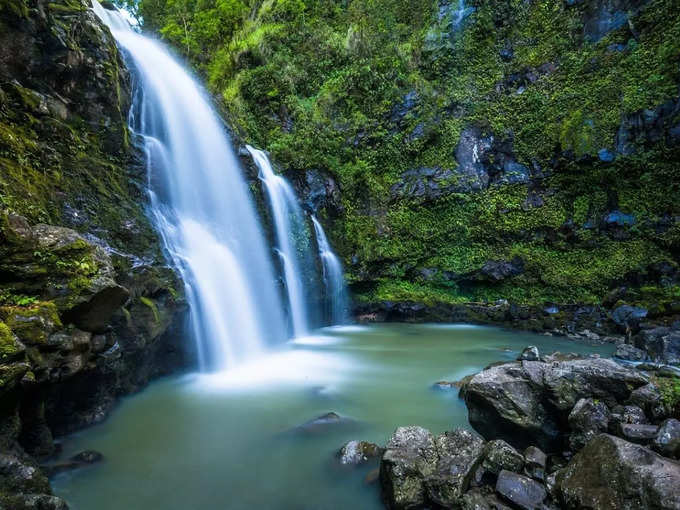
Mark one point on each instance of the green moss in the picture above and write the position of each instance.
(8, 345)
(32, 324)
(670, 394)
(151, 304)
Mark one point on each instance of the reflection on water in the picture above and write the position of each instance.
(207, 442)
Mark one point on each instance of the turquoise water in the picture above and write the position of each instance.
(225, 442)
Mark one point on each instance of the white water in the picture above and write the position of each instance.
(334, 281)
(201, 205)
(290, 231)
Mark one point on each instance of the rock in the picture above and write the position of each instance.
(472, 152)
(322, 424)
(409, 458)
(20, 473)
(648, 398)
(667, 440)
(520, 490)
(478, 499)
(529, 354)
(358, 452)
(498, 270)
(626, 414)
(372, 476)
(460, 453)
(661, 344)
(612, 473)
(627, 315)
(587, 420)
(35, 502)
(87, 457)
(535, 462)
(499, 455)
(638, 432)
(630, 353)
(603, 16)
(528, 402)
(418, 469)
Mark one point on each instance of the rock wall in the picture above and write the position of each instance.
(89, 309)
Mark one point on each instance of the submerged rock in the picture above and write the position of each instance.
(358, 452)
(324, 423)
(612, 473)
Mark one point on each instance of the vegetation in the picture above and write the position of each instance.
(365, 90)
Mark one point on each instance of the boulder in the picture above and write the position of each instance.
(480, 499)
(630, 353)
(358, 452)
(638, 432)
(520, 490)
(649, 399)
(662, 345)
(613, 473)
(588, 419)
(499, 455)
(528, 402)
(324, 423)
(529, 353)
(418, 469)
(667, 440)
(535, 463)
(628, 316)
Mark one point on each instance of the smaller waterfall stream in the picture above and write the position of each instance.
(334, 281)
(290, 230)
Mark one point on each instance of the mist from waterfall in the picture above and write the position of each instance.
(334, 282)
(202, 206)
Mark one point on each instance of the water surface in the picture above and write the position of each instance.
(224, 442)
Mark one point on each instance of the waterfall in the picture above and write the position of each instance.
(291, 239)
(334, 281)
(201, 205)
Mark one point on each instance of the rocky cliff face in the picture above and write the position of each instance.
(478, 151)
(86, 297)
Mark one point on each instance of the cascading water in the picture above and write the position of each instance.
(334, 281)
(290, 230)
(201, 205)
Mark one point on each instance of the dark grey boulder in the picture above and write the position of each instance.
(499, 455)
(480, 499)
(324, 424)
(627, 316)
(613, 473)
(535, 463)
(528, 403)
(418, 469)
(648, 398)
(587, 419)
(638, 432)
(667, 440)
(520, 490)
(661, 344)
(529, 353)
(630, 353)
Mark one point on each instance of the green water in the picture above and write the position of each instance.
(224, 442)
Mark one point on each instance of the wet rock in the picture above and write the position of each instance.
(630, 353)
(667, 440)
(520, 490)
(528, 402)
(409, 458)
(603, 16)
(473, 149)
(661, 344)
(587, 420)
(35, 502)
(649, 399)
(479, 499)
(627, 315)
(529, 353)
(418, 468)
(626, 414)
(535, 463)
(358, 452)
(372, 476)
(87, 457)
(324, 423)
(639, 433)
(499, 455)
(612, 473)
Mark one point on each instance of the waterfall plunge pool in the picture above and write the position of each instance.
(224, 441)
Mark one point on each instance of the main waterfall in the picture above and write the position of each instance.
(201, 205)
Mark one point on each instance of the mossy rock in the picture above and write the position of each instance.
(10, 347)
(32, 324)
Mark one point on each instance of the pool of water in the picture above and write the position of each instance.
(228, 441)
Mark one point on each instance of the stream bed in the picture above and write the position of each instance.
(233, 441)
